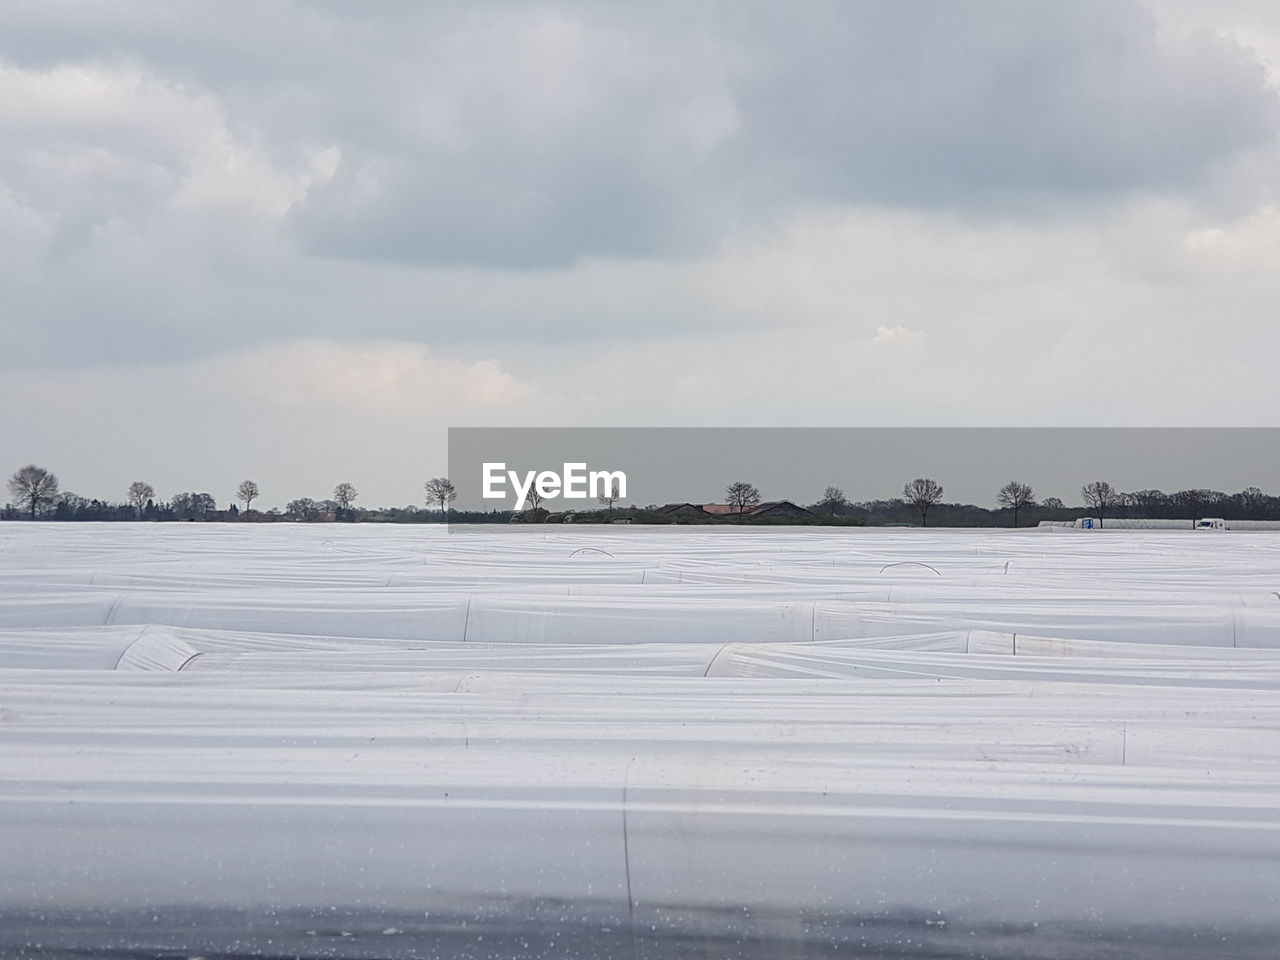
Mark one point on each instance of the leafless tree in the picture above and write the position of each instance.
(922, 493)
(33, 487)
(1015, 496)
(247, 492)
(742, 495)
(535, 497)
(1195, 501)
(304, 508)
(344, 494)
(1252, 500)
(193, 506)
(139, 494)
(611, 495)
(1100, 496)
(1146, 502)
(72, 502)
(442, 491)
(833, 499)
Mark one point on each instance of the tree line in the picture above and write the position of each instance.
(1017, 505)
(36, 494)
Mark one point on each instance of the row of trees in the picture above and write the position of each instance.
(35, 492)
(924, 493)
(1191, 504)
(1099, 498)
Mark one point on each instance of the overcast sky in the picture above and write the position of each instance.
(295, 241)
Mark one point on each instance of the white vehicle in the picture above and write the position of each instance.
(1211, 523)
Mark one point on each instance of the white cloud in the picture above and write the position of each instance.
(297, 417)
(534, 136)
(897, 335)
(88, 144)
(365, 379)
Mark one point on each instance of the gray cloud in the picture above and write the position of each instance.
(924, 103)
(530, 138)
(520, 136)
(901, 213)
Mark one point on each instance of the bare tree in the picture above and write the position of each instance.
(1196, 501)
(833, 499)
(304, 508)
(1252, 501)
(72, 503)
(611, 495)
(535, 497)
(442, 491)
(247, 492)
(922, 493)
(344, 494)
(193, 506)
(1100, 496)
(742, 495)
(139, 494)
(1147, 502)
(33, 487)
(1015, 496)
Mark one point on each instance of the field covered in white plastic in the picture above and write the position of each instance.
(391, 741)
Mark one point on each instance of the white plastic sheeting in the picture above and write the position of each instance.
(1128, 523)
(918, 741)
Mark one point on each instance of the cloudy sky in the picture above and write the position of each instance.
(296, 241)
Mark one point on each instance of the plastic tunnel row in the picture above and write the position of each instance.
(368, 742)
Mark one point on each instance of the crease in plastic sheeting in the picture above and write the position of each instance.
(111, 611)
(716, 656)
(156, 652)
(142, 632)
(626, 845)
